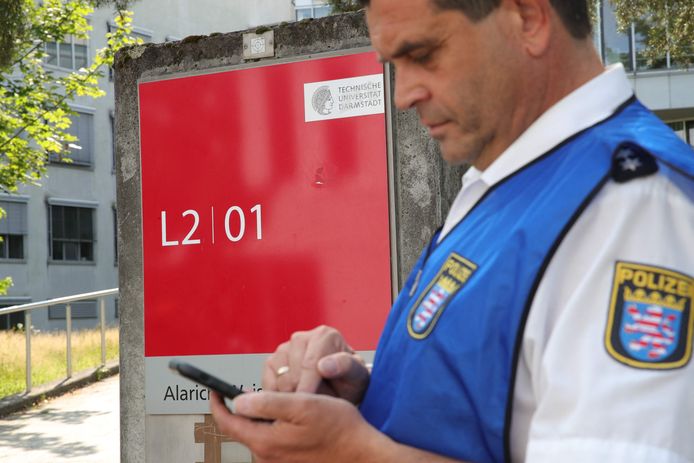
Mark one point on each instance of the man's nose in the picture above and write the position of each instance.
(408, 90)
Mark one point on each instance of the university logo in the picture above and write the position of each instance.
(322, 100)
(426, 311)
(650, 321)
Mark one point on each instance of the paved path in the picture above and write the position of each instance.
(79, 427)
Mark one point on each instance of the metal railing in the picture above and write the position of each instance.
(27, 308)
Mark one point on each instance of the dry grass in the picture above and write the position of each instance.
(48, 356)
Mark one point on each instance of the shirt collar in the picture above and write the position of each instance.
(589, 104)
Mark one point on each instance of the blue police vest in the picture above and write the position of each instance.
(445, 365)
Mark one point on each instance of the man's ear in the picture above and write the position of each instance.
(536, 19)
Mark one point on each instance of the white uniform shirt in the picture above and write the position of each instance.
(573, 402)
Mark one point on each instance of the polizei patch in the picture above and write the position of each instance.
(434, 299)
(650, 322)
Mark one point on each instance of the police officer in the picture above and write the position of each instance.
(550, 319)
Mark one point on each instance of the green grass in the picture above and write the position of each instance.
(48, 356)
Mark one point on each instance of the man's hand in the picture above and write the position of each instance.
(309, 428)
(304, 428)
(318, 361)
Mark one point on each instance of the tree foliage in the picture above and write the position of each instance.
(12, 25)
(34, 99)
(343, 6)
(668, 26)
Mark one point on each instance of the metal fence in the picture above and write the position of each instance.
(27, 309)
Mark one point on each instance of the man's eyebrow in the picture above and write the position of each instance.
(407, 47)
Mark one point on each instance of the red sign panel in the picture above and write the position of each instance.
(259, 220)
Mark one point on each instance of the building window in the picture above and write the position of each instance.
(678, 128)
(71, 233)
(616, 46)
(80, 151)
(311, 9)
(681, 65)
(684, 130)
(12, 246)
(79, 309)
(13, 229)
(12, 320)
(71, 54)
(640, 31)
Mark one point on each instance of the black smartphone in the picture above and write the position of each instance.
(189, 371)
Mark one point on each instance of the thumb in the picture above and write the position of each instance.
(268, 405)
(343, 366)
(346, 374)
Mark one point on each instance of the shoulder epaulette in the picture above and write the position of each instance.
(631, 161)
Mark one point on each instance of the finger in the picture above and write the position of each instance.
(237, 427)
(269, 380)
(274, 406)
(278, 359)
(347, 375)
(297, 350)
(327, 342)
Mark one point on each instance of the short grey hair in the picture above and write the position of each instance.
(573, 13)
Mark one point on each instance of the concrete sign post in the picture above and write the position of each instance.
(264, 212)
(256, 198)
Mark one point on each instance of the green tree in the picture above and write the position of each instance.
(12, 26)
(668, 26)
(343, 6)
(34, 101)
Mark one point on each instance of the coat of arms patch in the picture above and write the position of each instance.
(428, 308)
(650, 321)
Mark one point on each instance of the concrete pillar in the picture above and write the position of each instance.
(424, 190)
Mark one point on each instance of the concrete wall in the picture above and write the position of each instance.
(669, 93)
(424, 189)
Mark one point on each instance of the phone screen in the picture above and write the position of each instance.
(189, 371)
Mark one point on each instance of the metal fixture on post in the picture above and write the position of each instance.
(68, 321)
(102, 321)
(259, 45)
(27, 332)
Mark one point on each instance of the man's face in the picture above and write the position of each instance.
(453, 71)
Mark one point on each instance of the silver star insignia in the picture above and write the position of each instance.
(624, 153)
(631, 164)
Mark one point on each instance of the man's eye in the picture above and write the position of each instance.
(422, 57)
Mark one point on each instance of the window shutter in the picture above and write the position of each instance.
(15, 220)
(82, 128)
